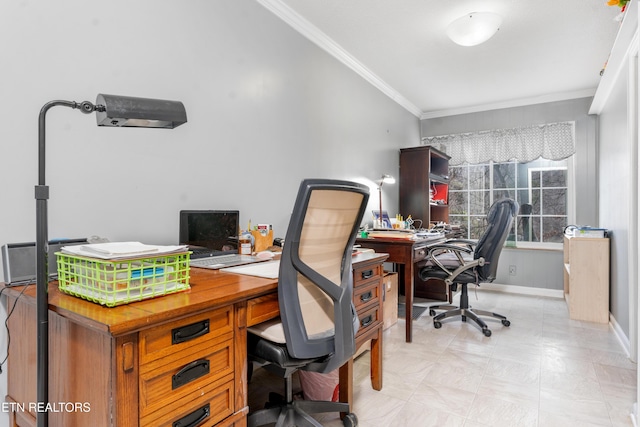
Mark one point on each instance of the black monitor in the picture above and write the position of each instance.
(214, 230)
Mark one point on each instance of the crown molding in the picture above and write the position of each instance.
(561, 96)
(625, 46)
(326, 43)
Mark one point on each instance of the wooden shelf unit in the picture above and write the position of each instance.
(586, 278)
(423, 169)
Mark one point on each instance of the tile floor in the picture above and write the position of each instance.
(544, 370)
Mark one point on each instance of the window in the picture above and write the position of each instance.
(540, 188)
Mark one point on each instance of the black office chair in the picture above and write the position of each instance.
(317, 322)
(525, 222)
(460, 262)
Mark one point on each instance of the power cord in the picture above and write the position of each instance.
(6, 322)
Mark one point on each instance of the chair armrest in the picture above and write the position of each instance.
(469, 243)
(442, 247)
(458, 250)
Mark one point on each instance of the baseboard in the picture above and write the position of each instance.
(622, 338)
(524, 290)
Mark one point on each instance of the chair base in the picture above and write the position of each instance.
(296, 413)
(464, 311)
(284, 411)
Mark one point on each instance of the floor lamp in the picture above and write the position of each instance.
(113, 111)
(385, 179)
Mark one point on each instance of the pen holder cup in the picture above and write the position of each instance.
(262, 240)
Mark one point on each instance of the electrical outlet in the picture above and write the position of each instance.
(512, 270)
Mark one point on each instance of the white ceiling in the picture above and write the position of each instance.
(545, 50)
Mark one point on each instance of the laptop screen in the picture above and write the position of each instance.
(214, 230)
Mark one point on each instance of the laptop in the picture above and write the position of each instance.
(212, 237)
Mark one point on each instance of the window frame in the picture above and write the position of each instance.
(570, 194)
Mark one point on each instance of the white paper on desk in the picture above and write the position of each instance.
(267, 269)
(429, 235)
(121, 250)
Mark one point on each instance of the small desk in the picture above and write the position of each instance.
(121, 361)
(404, 253)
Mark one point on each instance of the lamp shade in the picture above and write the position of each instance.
(387, 179)
(474, 28)
(126, 111)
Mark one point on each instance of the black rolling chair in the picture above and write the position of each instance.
(461, 262)
(525, 222)
(317, 322)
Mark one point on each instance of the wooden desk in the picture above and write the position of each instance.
(117, 366)
(404, 253)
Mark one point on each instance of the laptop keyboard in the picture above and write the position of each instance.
(219, 260)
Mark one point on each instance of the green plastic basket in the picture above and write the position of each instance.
(116, 282)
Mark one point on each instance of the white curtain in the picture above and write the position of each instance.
(554, 141)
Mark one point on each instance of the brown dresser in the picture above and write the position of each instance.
(367, 294)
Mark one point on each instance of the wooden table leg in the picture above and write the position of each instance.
(407, 278)
(346, 384)
(376, 361)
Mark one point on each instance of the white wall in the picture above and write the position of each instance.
(266, 108)
(616, 162)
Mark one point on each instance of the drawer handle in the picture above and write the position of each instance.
(189, 332)
(190, 372)
(366, 321)
(367, 273)
(194, 418)
(366, 297)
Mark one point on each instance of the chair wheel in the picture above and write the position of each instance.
(437, 324)
(505, 322)
(486, 332)
(432, 312)
(350, 420)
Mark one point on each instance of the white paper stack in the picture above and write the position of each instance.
(121, 250)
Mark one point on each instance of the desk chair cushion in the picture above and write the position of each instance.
(271, 352)
(450, 261)
(270, 330)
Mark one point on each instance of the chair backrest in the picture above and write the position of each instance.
(525, 222)
(315, 281)
(489, 246)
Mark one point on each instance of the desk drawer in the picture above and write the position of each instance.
(175, 382)
(212, 404)
(366, 295)
(420, 253)
(369, 319)
(366, 273)
(186, 335)
(262, 309)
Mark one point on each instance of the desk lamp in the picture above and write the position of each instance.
(388, 179)
(112, 111)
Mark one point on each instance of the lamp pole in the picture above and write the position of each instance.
(385, 178)
(42, 268)
(113, 111)
(380, 198)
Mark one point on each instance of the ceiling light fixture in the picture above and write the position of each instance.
(474, 28)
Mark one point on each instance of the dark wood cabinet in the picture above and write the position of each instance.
(424, 185)
(424, 194)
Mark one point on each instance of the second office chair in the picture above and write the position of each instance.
(463, 262)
